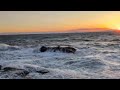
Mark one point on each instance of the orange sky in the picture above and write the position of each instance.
(57, 21)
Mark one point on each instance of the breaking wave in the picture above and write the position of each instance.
(4, 47)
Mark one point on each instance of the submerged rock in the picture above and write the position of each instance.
(43, 71)
(71, 62)
(22, 73)
(43, 49)
(19, 72)
(9, 69)
(37, 69)
(65, 49)
(0, 67)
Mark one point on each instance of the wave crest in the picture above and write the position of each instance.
(4, 47)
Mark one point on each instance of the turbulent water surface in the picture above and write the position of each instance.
(97, 56)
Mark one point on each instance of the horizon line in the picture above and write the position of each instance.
(67, 31)
(49, 33)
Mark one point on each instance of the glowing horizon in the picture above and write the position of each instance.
(57, 21)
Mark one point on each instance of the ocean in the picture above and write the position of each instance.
(97, 56)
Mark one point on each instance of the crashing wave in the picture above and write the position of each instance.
(4, 47)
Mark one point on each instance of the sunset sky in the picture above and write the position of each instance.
(57, 21)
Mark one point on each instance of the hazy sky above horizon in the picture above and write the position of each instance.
(47, 21)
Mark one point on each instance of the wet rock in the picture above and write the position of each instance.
(107, 52)
(9, 69)
(87, 40)
(43, 49)
(22, 73)
(115, 40)
(65, 49)
(69, 49)
(43, 71)
(19, 72)
(0, 67)
(37, 69)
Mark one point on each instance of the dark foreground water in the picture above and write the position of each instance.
(97, 56)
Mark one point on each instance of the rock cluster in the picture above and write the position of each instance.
(21, 72)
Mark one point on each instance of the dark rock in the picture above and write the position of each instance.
(87, 40)
(22, 73)
(65, 49)
(9, 69)
(43, 71)
(69, 49)
(38, 70)
(43, 49)
(0, 67)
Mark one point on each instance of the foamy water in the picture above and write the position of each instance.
(97, 56)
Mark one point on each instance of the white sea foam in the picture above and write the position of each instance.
(99, 57)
